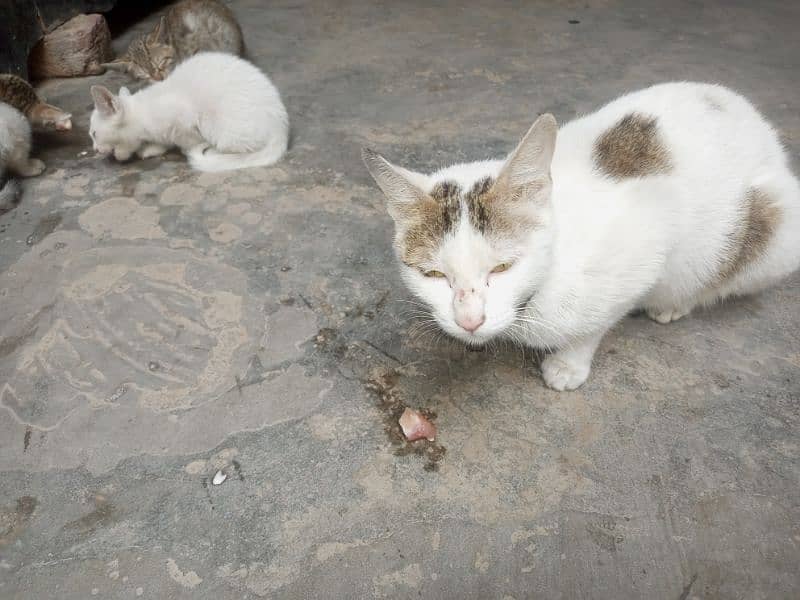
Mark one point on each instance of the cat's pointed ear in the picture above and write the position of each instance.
(158, 35)
(104, 101)
(396, 182)
(124, 92)
(529, 163)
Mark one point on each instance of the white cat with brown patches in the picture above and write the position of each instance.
(220, 110)
(675, 196)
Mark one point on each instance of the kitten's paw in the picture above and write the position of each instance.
(561, 374)
(151, 150)
(32, 168)
(666, 316)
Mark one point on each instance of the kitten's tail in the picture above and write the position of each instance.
(211, 160)
(9, 192)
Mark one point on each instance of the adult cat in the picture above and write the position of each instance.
(220, 110)
(671, 197)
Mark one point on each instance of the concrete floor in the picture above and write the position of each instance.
(158, 325)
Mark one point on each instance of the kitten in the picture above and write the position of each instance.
(15, 146)
(220, 110)
(675, 196)
(20, 94)
(189, 27)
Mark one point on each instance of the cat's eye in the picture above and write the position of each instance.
(434, 274)
(501, 268)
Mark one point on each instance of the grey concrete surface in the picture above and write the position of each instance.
(158, 325)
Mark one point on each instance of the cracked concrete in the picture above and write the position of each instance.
(159, 325)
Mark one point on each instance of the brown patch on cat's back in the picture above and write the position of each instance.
(749, 241)
(18, 93)
(632, 148)
(428, 221)
(495, 211)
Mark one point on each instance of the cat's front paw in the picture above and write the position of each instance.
(560, 374)
(666, 316)
(151, 150)
(32, 168)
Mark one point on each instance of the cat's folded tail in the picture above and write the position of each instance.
(211, 160)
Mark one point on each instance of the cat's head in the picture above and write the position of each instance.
(150, 57)
(110, 125)
(475, 240)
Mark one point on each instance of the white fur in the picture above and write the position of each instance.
(220, 110)
(609, 246)
(15, 147)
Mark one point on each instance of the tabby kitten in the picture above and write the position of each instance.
(189, 27)
(669, 198)
(20, 94)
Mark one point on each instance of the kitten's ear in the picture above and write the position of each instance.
(124, 92)
(104, 101)
(530, 161)
(157, 36)
(394, 181)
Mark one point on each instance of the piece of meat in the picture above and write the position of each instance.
(415, 426)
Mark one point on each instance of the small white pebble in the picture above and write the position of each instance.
(84, 153)
(219, 478)
(139, 591)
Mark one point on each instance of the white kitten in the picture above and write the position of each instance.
(220, 110)
(668, 198)
(15, 148)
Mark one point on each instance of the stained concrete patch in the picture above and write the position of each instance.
(188, 579)
(237, 208)
(132, 331)
(181, 194)
(224, 233)
(122, 218)
(388, 585)
(251, 218)
(284, 333)
(245, 192)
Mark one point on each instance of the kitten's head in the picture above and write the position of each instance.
(110, 125)
(474, 241)
(149, 57)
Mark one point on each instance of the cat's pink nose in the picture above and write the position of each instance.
(470, 323)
